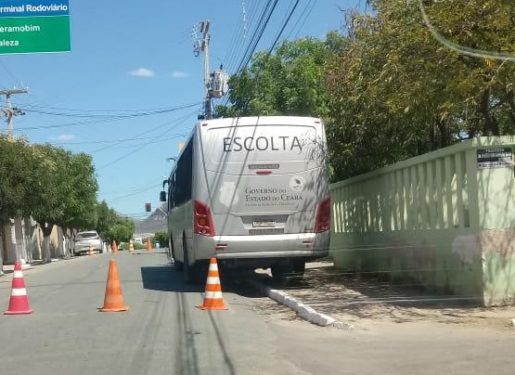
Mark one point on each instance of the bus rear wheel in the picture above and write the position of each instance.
(171, 253)
(291, 271)
(193, 273)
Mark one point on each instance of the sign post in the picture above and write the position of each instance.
(34, 26)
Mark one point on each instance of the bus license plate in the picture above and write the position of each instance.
(263, 224)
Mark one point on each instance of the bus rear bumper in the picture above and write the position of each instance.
(263, 249)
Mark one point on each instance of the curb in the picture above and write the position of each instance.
(302, 310)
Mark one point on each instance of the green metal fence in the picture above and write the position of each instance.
(445, 219)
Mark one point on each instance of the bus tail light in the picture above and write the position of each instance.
(323, 216)
(203, 220)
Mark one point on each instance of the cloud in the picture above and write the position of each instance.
(179, 74)
(65, 137)
(142, 72)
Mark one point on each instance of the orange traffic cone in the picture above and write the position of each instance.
(114, 248)
(213, 299)
(149, 245)
(90, 250)
(131, 247)
(113, 301)
(19, 301)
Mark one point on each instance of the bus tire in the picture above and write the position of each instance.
(169, 250)
(189, 270)
(289, 272)
(178, 265)
(279, 273)
(298, 268)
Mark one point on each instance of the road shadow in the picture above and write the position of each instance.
(167, 278)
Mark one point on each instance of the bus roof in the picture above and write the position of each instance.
(261, 120)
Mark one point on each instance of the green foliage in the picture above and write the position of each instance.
(396, 92)
(138, 246)
(16, 162)
(122, 230)
(112, 226)
(48, 183)
(65, 190)
(79, 211)
(287, 82)
(55, 187)
(105, 218)
(162, 238)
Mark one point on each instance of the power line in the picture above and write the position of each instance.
(132, 190)
(98, 121)
(89, 110)
(310, 5)
(178, 120)
(133, 151)
(285, 23)
(237, 44)
(112, 116)
(258, 35)
(135, 193)
(109, 141)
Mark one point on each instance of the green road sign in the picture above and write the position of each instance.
(34, 34)
(31, 26)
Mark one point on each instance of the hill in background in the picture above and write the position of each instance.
(156, 222)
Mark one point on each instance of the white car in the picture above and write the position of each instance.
(83, 240)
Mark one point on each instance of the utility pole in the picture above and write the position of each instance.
(9, 111)
(215, 83)
(202, 45)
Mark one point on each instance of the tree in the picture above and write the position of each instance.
(64, 192)
(286, 82)
(162, 238)
(105, 218)
(15, 178)
(111, 226)
(121, 231)
(80, 200)
(395, 91)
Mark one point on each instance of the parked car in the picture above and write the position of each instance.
(83, 240)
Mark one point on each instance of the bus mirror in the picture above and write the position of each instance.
(165, 182)
(162, 196)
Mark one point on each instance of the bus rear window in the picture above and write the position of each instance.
(232, 148)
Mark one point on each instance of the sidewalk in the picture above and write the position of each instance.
(9, 268)
(369, 303)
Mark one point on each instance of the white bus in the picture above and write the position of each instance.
(252, 192)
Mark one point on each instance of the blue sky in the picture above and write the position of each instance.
(136, 56)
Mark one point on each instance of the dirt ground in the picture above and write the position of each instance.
(369, 303)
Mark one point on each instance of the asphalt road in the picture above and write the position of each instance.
(164, 333)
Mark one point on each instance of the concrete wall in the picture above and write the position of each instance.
(445, 219)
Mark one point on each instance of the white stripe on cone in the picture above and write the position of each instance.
(214, 295)
(213, 280)
(213, 267)
(18, 274)
(17, 292)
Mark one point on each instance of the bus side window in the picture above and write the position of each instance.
(171, 192)
(184, 175)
